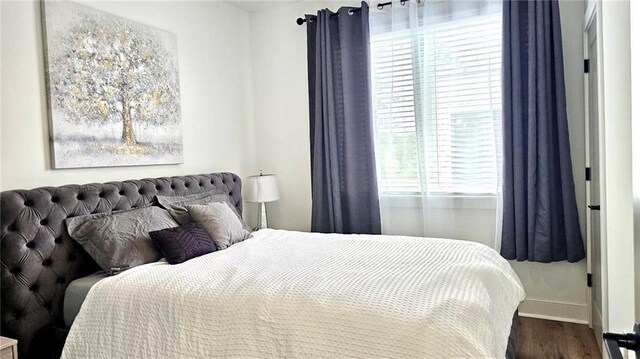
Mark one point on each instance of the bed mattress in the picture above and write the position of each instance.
(290, 295)
(75, 294)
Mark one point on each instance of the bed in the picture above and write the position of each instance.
(277, 294)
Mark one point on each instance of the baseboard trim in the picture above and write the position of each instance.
(558, 311)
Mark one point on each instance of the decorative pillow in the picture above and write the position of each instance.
(183, 243)
(177, 205)
(120, 239)
(220, 221)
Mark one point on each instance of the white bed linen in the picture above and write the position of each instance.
(284, 294)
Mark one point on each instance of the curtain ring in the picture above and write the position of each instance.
(350, 12)
(380, 6)
(402, 2)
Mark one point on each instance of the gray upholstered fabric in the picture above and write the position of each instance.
(540, 215)
(120, 239)
(39, 259)
(176, 205)
(221, 222)
(344, 187)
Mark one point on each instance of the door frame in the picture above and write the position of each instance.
(592, 17)
(588, 22)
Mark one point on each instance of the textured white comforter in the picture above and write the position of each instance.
(285, 294)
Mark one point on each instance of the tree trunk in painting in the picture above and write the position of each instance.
(128, 137)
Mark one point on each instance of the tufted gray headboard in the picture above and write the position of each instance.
(39, 259)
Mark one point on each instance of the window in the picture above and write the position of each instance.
(437, 106)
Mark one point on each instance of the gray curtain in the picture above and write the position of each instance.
(343, 173)
(540, 219)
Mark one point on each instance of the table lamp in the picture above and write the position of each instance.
(261, 189)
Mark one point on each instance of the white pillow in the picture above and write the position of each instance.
(220, 221)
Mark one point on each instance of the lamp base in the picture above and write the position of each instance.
(262, 216)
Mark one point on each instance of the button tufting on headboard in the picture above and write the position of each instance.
(39, 259)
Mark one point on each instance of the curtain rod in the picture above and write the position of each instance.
(380, 6)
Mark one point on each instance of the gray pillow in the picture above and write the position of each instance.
(177, 205)
(120, 239)
(220, 221)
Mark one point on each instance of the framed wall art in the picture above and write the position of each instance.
(113, 89)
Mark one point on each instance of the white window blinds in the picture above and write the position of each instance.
(437, 106)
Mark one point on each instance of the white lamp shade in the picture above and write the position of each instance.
(261, 189)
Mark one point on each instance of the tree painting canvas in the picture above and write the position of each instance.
(113, 89)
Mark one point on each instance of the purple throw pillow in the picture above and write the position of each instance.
(182, 243)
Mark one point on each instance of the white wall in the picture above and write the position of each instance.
(618, 192)
(215, 89)
(1, 85)
(281, 106)
(635, 113)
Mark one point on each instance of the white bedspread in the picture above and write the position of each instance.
(285, 294)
